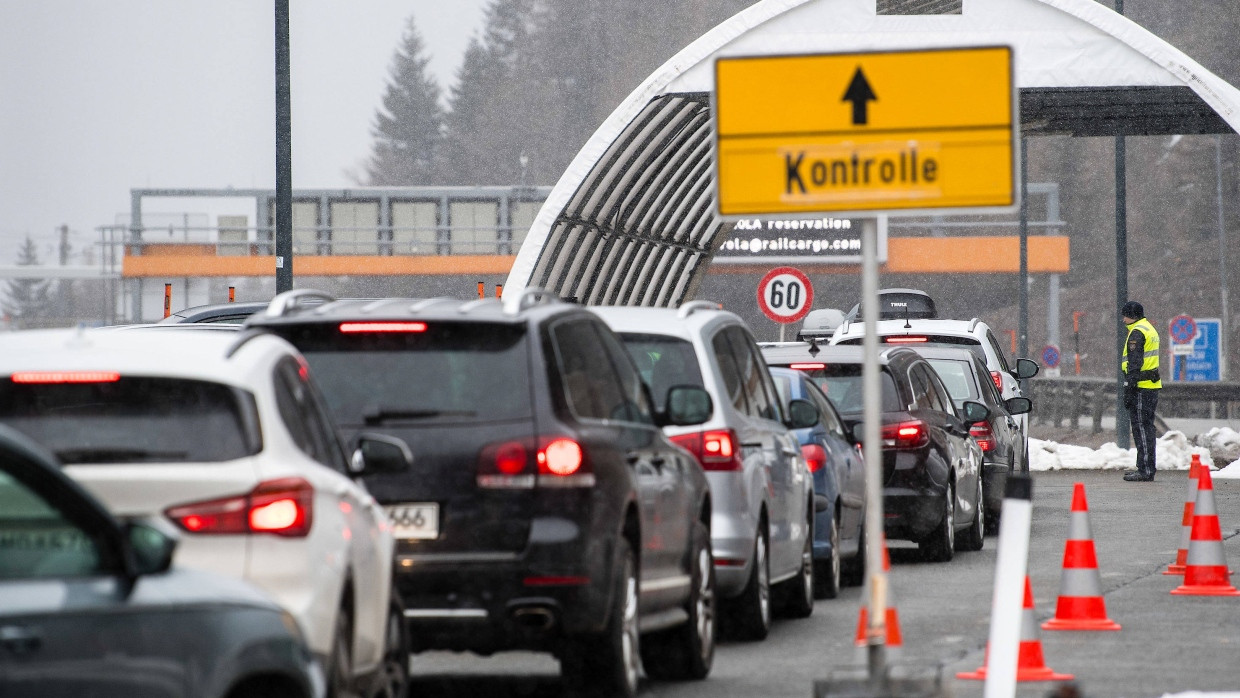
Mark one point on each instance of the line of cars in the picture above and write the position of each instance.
(607, 484)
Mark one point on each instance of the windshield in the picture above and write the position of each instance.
(842, 384)
(134, 420)
(956, 375)
(663, 362)
(452, 371)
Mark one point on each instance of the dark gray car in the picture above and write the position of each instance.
(91, 606)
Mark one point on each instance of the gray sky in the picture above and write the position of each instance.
(98, 97)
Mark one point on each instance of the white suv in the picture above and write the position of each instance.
(224, 435)
(762, 518)
(970, 334)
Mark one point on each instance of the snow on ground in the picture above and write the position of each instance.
(1219, 448)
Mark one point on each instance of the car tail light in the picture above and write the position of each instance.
(283, 507)
(808, 366)
(998, 379)
(815, 456)
(557, 462)
(361, 327)
(911, 434)
(985, 437)
(905, 339)
(46, 377)
(717, 449)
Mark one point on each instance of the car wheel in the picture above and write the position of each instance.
(798, 592)
(394, 677)
(975, 535)
(608, 664)
(752, 609)
(852, 572)
(688, 651)
(940, 545)
(828, 574)
(340, 666)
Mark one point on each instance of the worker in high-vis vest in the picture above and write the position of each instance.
(1141, 385)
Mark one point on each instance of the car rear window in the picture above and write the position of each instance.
(928, 340)
(448, 372)
(957, 376)
(663, 362)
(135, 420)
(842, 385)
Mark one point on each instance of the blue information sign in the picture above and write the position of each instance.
(1050, 356)
(1203, 364)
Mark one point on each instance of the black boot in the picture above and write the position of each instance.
(1138, 476)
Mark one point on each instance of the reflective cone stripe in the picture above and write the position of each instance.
(895, 639)
(1205, 572)
(1186, 522)
(1080, 605)
(1030, 665)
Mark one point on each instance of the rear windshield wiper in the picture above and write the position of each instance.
(116, 455)
(381, 415)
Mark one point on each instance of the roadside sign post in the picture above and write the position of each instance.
(906, 132)
(785, 295)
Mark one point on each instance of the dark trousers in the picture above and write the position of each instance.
(1141, 416)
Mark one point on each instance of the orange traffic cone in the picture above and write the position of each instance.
(1029, 663)
(1205, 571)
(1186, 522)
(1080, 605)
(895, 640)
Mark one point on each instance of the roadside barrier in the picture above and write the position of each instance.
(1186, 522)
(1205, 571)
(1030, 666)
(895, 640)
(1080, 605)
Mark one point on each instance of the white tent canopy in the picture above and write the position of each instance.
(633, 220)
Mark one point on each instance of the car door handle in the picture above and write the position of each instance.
(20, 640)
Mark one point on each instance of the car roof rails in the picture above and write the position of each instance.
(691, 307)
(528, 298)
(973, 324)
(291, 300)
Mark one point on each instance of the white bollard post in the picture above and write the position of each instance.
(1006, 604)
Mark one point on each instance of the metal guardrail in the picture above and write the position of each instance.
(1065, 401)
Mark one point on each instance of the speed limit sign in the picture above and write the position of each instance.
(785, 294)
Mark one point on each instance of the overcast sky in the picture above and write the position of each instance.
(98, 97)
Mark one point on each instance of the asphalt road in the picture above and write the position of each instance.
(1167, 644)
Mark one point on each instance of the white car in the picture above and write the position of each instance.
(224, 435)
(969, 334)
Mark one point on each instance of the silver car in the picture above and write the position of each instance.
(91, 606)
(762, 522)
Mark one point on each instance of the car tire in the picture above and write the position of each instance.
(975, 535)
(940, 545)
(607, 665)
(687, 652)
(852, 572)
(394, 671)
(340, 662)
(798, 593)
(751, 611)
(829, 573)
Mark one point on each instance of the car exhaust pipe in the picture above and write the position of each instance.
(534, 618)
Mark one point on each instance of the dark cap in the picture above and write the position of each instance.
(1133, 310)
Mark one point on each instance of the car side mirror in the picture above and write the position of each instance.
(975, 412)
(380, 453)
(152, 545)
(1018, 405)
(687, 405)
(1026, 368)
(802, 414)
(857, 432)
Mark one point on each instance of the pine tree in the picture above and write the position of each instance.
(408, 129)
(27, 300)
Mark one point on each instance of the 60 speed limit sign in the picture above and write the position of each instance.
(785, 294)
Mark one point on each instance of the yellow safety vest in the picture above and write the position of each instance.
(1150, 357)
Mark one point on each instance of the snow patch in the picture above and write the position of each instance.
(1174, 452)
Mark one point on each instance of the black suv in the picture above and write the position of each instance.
(545, 509)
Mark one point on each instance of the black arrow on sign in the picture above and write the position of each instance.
(860, 94)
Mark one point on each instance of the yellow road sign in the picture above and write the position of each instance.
(866, 131)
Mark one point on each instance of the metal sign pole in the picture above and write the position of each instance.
(876, 632)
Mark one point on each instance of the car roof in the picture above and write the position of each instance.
(958, 328)
(302, 307)
(145, 351)
(683, 322)
(206, 313)
(800, 351)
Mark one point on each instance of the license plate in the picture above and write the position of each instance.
(414, 521)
